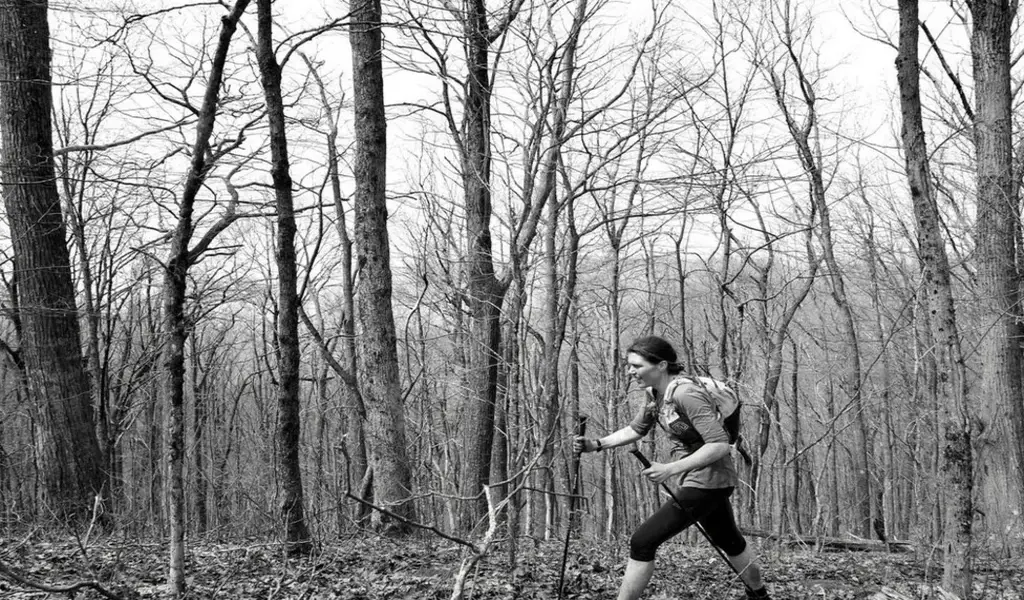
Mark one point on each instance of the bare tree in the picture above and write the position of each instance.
(802, 122)
(377, 354)
(948, 356)
(996, 236)
(296, 532)
(484, 292)
(560, 75)
(50, 340)
(181, 257)
(352, 402)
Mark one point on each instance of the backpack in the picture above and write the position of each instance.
(726, 401)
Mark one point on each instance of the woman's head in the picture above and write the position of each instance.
(646, 354)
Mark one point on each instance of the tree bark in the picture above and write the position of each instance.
(957, 463)
(297, 538)
(199, 420)
(73, 470)
(997, 225)
(376, 340)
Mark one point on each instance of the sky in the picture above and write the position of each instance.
(863, 68)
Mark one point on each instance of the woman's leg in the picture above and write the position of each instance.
(745, 565)
(638, 575)
(721, 527)
(668, 521)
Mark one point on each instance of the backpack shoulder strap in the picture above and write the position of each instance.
(674, 384)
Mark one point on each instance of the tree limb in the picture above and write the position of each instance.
(949, 71)
(70, 590)
(502, 26)
(124, 142)
(340, 371)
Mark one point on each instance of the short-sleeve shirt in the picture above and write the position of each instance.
(691, 420)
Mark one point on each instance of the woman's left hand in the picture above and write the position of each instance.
(660, 472)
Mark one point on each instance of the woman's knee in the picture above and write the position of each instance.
(641, 547)
(733, 545)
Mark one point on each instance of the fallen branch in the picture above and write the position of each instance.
(70, 590)
(408, 521)
(833, 543)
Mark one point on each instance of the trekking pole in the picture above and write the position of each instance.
(572, 508)
(647, 465)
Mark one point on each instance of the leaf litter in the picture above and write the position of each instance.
(377, 568)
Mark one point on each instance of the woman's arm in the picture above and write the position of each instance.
(626, 435)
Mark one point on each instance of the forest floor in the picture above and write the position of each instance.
(375, 568)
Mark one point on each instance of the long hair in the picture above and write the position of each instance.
(655, 349)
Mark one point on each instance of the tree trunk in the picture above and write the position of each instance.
(1001, 441)
(883, 476)
(180, 258)
(613, 388)
(377, 343)
(833, 460)
(199, 420)
(175, 282)
(957, 461)
(73, 471)
(297, 539)
(558, 292)
(797, 441)
(484, 294)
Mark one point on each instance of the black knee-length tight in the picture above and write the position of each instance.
(710, 507)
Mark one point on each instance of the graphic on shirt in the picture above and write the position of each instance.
(669, 415)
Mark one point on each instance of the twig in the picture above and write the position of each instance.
(70, 589)
(97, 510)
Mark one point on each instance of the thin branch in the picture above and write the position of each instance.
(949, 71)
(125, 142)
(309, 36)
(342, 372)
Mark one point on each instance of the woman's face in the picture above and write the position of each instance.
(644, 371)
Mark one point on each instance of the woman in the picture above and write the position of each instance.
(701, 476)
